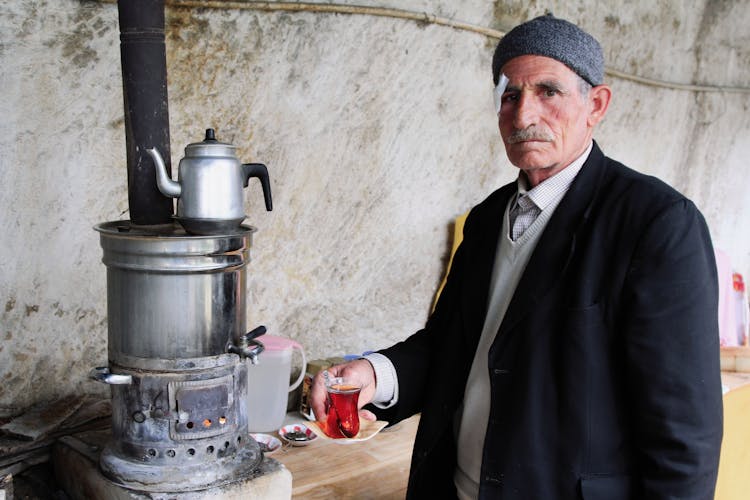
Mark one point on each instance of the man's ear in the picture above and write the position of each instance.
(599, 98)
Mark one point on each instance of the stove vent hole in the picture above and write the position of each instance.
(171, 453)
(151, 452)
(189, 425)
(239, 439)
(222, 420)
(191, 451)
(210, 450)
(207, 423)
(226, 445)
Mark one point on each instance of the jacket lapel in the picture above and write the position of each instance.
(557, 244)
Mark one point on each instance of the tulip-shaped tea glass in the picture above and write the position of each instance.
(342, 418)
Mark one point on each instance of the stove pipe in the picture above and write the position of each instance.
(144, 79)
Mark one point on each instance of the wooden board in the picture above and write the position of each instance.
(42, 418)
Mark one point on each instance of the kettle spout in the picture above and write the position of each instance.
(167, 186)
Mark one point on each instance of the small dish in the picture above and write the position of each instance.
(268, 444)
(297, 434)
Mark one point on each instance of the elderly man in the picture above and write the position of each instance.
(573, 352)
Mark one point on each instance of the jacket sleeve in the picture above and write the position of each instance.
(672, 355)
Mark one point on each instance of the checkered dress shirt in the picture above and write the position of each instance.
(529, 203)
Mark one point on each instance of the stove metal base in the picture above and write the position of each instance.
(76, 463)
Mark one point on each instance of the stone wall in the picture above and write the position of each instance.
(377, 132)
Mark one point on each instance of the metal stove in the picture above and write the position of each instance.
(177, 344)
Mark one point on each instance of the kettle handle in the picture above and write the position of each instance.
(261, 172)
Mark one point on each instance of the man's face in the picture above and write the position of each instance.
(544, 120)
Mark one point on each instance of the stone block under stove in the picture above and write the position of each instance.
(76, 464)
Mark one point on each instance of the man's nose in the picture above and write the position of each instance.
(525, 112)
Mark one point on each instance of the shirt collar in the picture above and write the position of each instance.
(546, 191)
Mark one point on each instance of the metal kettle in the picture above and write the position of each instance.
(209, 189)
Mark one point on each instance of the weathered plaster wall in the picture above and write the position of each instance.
(377, 132)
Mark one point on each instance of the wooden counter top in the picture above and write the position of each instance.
(377, 468)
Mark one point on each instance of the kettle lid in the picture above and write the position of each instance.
(210, 147)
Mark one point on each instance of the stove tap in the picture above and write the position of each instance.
(249, 347)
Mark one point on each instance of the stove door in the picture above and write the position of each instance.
(204, 408)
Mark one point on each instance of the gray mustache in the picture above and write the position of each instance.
(530, 134)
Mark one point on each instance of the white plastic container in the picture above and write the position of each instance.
(268, 385)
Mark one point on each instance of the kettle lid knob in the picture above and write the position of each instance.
(210, 135)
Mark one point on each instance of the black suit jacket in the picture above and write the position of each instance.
(605, 378)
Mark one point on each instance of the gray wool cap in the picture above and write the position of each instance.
(555, 38)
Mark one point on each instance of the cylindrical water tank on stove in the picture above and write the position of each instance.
(171, 295)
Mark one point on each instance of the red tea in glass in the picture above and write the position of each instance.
(342, 420)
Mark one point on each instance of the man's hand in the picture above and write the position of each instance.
(359, 371)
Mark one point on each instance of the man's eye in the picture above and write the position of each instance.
(510, 97)
(550, 92)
